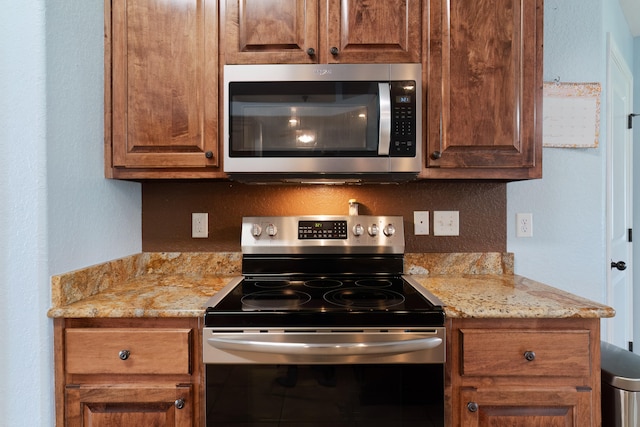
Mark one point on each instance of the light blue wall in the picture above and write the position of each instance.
(568, 249)
(57, 212)
(568, 243)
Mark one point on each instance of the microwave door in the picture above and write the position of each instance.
(384, 137)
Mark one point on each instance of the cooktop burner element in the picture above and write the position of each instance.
(364, 298)
(323, 283)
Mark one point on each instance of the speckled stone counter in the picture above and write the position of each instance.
(179, 285)
(507, 296)
(144, 285)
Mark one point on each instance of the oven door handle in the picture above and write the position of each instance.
(384, 133)
(242, 343)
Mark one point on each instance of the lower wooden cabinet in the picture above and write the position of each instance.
(148, 405)
(545, 408)
(524, 372)
(129, 372)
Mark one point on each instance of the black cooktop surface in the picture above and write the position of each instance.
(387, 301)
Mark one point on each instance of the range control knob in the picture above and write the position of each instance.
(272, 230)
(373, 230)
(256, 230)
(389, 230)
(358, 230)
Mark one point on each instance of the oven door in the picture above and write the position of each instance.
(321, 378)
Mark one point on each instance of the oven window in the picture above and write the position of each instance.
(325, 395)
(303, 119)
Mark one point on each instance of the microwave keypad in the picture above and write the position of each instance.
(403, 128)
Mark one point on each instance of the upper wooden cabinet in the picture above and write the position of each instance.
(321, 31)
(161, 97)
(483, 75)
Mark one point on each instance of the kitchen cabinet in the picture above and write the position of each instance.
(128, 372)
(483, 72)
(524, 372)
(161, 91)
(321, 31)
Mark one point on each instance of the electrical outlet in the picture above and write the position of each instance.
(446, 223)
(524, 225)
(199, 225)
(421, 223)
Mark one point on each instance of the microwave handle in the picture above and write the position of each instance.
(384, 137)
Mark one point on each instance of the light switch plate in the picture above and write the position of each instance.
(421, 223)
(446, 223)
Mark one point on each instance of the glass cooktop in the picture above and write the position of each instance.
(319, 301)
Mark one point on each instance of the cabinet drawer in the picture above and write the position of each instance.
(127, 351)
(511, 352)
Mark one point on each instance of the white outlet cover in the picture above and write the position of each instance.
(199, 225)
(446, 223)
(421, 223)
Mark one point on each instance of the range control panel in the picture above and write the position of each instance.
(322, 230)
(323, 234)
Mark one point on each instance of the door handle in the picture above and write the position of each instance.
(620, 265)
(384, 132)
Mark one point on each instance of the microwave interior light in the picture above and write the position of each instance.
(293, 122)
(362, 115)
(305, 138)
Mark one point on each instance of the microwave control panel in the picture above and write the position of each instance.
(403, 119)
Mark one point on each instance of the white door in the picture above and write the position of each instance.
(619, 198)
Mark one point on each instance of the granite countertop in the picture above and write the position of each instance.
(179, 285)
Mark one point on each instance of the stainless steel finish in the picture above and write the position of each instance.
(286, 241)
(423, 291)
(620, 386)
(179, 403)
(384, 136)
(124, 354)
(339, 169)
(621, 408)
(219, 296)
(325, 346)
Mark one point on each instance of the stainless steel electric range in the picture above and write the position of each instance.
(323, 328)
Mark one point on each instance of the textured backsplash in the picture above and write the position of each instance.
(167, 208)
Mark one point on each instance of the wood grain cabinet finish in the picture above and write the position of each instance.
(108, 406)
(483, 72)
(321, 31)
(129, 372)
(524, 372)
(161, 88)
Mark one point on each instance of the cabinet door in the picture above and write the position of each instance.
(106, 406)
(270, 31)
(163, 84)
(485, 89)
(537, 408)
(364, 31)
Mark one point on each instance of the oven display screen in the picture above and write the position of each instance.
(313, 230)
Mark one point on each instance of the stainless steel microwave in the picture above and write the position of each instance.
(330, 122)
